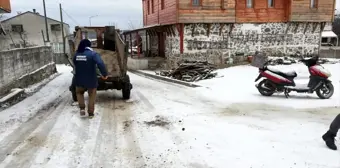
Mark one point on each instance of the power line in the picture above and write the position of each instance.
(70, 17)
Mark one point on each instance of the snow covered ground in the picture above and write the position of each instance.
(163, 125)
(236, 84)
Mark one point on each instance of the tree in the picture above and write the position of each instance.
(23, 37)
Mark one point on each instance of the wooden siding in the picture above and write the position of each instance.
(261, 12)
(301, 11)
(5, 6)
(210, 11)
(167, 15)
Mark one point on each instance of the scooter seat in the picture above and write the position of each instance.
(290, 73)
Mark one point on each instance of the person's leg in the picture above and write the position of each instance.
(335, 125)
(329, 136)
(92, 99)
(81, 100)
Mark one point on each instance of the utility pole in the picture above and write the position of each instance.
(47, 35)
(91, 18)
(62, 29)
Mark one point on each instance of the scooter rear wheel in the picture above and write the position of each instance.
(326, 91)
(266, 88)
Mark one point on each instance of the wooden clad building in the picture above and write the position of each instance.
(5, 6)
(221, 30)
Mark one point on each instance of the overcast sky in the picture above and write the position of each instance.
(121, 12)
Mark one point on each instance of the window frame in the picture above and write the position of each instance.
(152, 6)
(272, 2)
(196, 5)
(314, 5)
(162, 4)
(252, 4)
(148, 7)
(17, 28)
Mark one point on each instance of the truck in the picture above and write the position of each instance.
(107, 42)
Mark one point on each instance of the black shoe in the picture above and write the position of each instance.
(91, 115)
(329, 138)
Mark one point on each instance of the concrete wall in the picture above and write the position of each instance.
(276, 39)
(22, 67)
(137, 64)
(330, 52)
(32, 24)
(59, 58)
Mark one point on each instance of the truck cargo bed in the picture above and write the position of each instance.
(111, 62)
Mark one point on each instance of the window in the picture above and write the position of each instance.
(249, 3)
(152, 8)
(148, 7)
(196, 2)
(58, 47)
(162, 4)
(55, 27)
(270, 3)
(313, 3)
(17, 28)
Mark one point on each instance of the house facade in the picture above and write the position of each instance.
(221, 30)
(28, 29)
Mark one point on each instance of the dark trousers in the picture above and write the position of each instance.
(92, 98)
(335, 125)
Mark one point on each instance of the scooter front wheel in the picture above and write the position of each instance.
(326, 91)
(266, 88)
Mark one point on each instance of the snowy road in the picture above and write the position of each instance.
(163, 125)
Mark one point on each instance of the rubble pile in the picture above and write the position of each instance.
(191, 71)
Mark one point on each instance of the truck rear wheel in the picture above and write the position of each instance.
(74, 95)
(126, 91)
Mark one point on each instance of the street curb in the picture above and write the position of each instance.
(15, 93)
(144, 74)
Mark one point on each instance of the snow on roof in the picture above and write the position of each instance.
(328, 34)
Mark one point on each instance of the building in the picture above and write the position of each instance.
(5, 6)
(221, 30)
(28, 29)
(329, 38)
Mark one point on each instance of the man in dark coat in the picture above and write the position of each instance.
(86, 62)
(329, 136)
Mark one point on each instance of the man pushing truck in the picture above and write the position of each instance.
(85, 63)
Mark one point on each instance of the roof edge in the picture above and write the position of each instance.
(31, 13)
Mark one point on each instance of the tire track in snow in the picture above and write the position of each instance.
(127, 142)
(164, 151)
(11, 142)
(104, 149)
(55, 137)
(24, 153)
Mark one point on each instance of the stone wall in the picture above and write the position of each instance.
(154, 46)
(226, 43)
(59, 58)
(330, 52)
(23, 67)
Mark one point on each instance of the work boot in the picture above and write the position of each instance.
(91, 115)
(329, 138)
(82, 113)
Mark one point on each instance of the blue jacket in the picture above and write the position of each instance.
(86, 69)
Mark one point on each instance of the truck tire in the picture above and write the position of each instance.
(74, 95)
(73, 90)
(126, 91)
